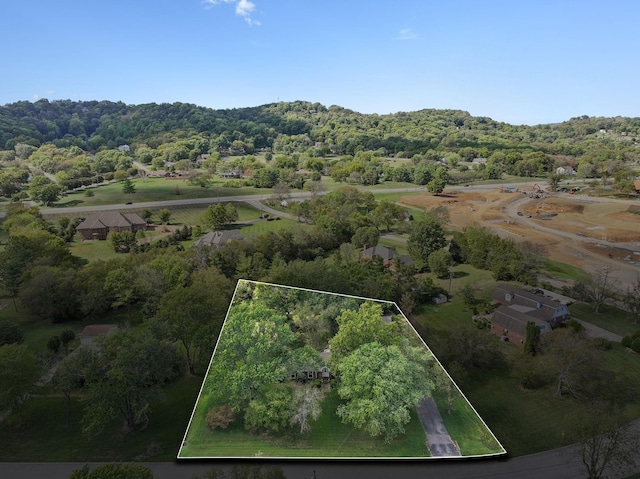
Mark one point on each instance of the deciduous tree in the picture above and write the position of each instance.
(426, 237)
(125, 375)
(356, 328)
(380, 387)
(252, 351)
(18, 372)
(387, 213)
(195, 313)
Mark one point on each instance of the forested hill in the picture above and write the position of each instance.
(288, 127)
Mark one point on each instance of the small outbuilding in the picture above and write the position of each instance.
(90, 333)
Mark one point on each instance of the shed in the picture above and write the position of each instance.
(90, 333)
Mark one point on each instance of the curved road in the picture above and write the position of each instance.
(625, 273)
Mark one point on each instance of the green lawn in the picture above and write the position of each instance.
(563, 270)
(465, 427)
(610, 318)
(152, 189)
(328, 437)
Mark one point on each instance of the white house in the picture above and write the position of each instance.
(565, 170)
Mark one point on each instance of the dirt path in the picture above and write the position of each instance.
(439, 442)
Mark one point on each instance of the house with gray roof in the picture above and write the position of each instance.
(216, 239)
(389, 256)
(517, 307)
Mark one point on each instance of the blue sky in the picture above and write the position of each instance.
(522, 62)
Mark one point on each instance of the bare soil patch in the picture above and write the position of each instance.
(612, 221)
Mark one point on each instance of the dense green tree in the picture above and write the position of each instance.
(125, 375)
(436, 185)
(532, 339)
(10, 333)
(251, 352)
(356, 328)
(380, 387)
(265, 177)
(122, 241)
(164, 215)
(194, 314)
(387, 214)
(43, 190)
(427, 236)
(19, 371)
(219, 215)
(440, 263)
(366, 235)
(48, 293)
(271, 409)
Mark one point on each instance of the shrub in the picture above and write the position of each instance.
(220, 416)
(54, 343)
(626, 341)
(575, 325)
(635, 345)
(10, 333)
(602, 343)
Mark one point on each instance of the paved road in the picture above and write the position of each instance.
(562, 463)
(551, 465)
(439, 441)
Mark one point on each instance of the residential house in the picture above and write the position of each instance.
(98, 225)
(518, 307)
(566, 170)
(389, 257)
(636, 184)
(216, 239)
(234, 173)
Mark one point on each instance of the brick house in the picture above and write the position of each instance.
(98, 225)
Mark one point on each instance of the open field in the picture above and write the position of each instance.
(580, 231)
(152, 189)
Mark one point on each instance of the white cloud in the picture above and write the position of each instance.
(406, 34)
(36, 97)
(244, 8)
(49, 92)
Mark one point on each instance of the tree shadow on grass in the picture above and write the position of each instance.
(67, 204)
(459, 274)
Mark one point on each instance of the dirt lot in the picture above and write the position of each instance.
(575, 230)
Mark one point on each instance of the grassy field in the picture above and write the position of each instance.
(328, 437)
(563, 270)
(610, 318)
(152, 189)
